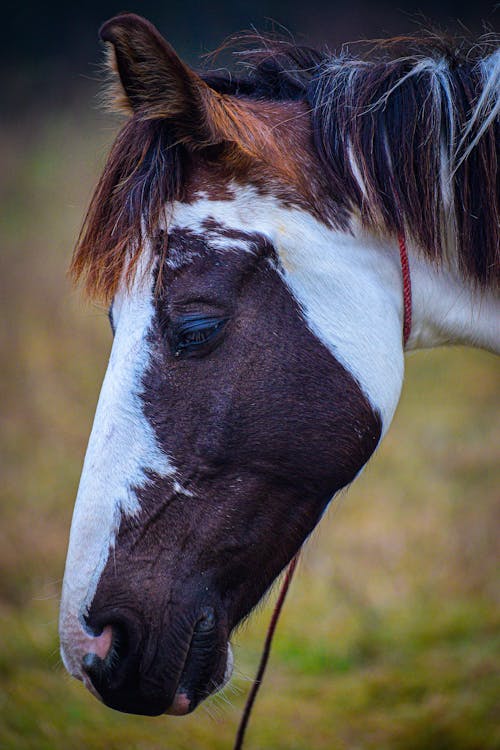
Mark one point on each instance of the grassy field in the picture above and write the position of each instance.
(390, 637)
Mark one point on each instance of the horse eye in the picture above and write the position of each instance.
(195, 335)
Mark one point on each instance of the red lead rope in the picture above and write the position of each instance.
(405, 270)
(265, 653)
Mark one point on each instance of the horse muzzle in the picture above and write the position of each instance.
(142, 673)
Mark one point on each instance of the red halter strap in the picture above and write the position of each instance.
(405, 270)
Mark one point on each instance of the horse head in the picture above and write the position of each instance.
(257, 361)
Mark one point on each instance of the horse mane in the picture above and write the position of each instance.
(407, 132)
(408, 135)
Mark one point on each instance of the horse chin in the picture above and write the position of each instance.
(180, 706)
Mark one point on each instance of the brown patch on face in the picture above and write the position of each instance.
(263, 426)
(287, 167)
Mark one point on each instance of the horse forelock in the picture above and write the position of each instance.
(406, 137)
(148, 171)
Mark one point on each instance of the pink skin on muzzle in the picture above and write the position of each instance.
(85, 643)
(99, 644)
(180, 705)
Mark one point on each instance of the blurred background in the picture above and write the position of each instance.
(389, 640)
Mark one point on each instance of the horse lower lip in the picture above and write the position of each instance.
(180, 706)
(201, 668)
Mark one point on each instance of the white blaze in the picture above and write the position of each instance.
(122, 447)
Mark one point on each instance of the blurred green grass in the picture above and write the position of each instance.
(389, 639)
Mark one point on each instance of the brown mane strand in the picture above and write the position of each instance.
(143, 173)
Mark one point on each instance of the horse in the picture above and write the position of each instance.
(269, 245)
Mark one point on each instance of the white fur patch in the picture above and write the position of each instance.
(121, 448)
(446, 310)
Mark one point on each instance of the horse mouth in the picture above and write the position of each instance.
(201, 668)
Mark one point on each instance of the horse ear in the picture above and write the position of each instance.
(154, 81)
(156, 84)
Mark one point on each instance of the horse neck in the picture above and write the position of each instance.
(448, 309)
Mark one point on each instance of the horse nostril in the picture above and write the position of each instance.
(102, 651)
(102, 643)
(206, 621)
